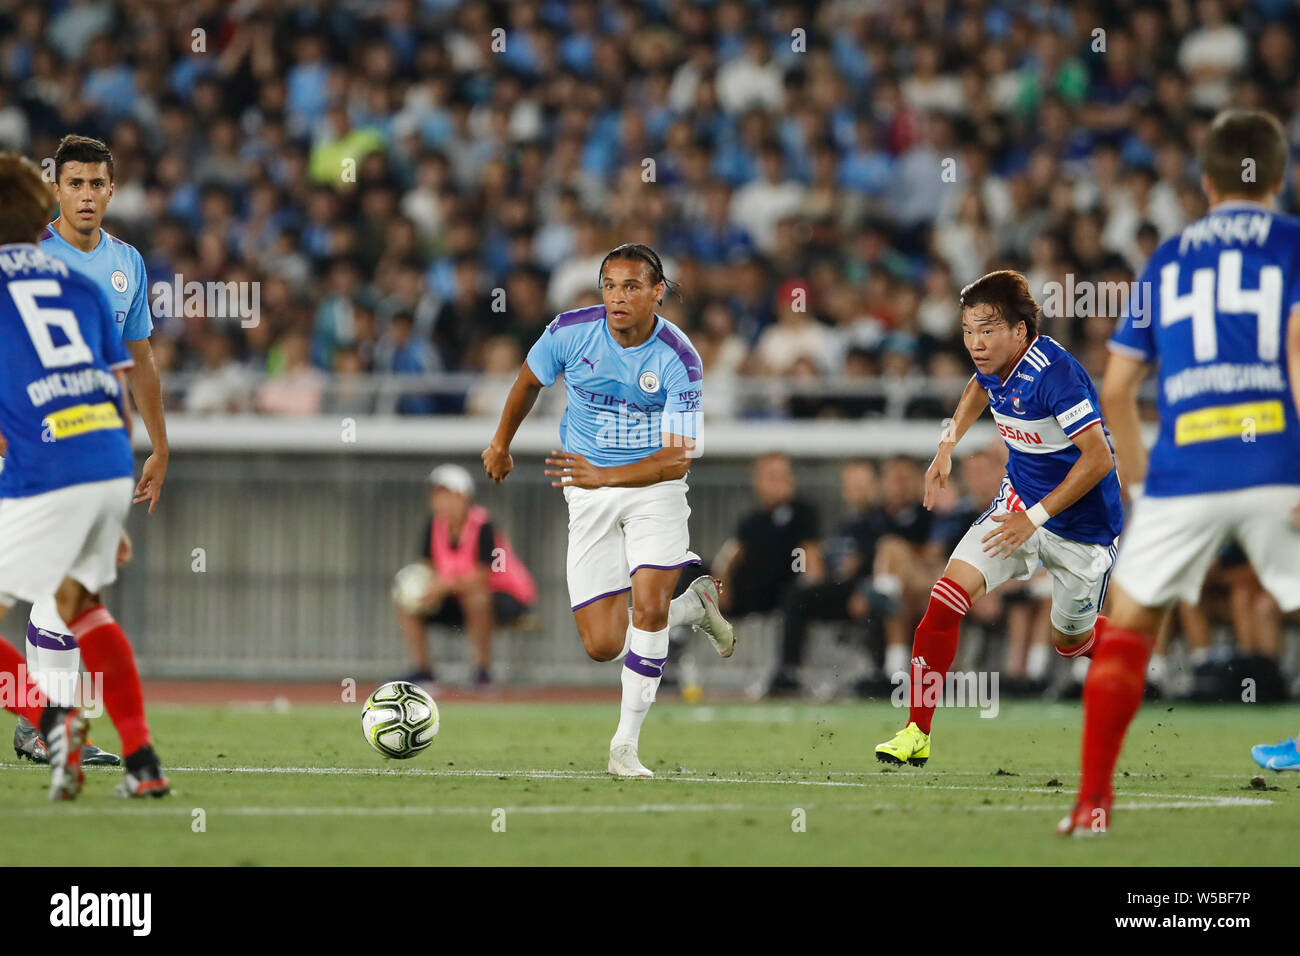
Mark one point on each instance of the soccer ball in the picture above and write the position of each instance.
(410, 585)
(399, 719)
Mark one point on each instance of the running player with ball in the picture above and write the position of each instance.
(1222, 323)
(634, 387)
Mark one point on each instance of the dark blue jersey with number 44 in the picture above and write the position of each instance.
(59, 399)
(1212, 308)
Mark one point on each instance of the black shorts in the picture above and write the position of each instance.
(506, 609)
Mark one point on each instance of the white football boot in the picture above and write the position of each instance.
(716, 627)
(623, 762)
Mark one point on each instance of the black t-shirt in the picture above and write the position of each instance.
(856, 534)
(911, 523)
(768, 540)
(486, 542)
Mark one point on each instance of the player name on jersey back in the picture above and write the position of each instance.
(1216, 323)
(59, 399)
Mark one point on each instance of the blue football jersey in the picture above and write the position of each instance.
(620, 400)
(118, 269)
(1211, 307)
(59, 399)
(1045, 402)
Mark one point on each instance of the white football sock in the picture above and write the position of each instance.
(1036, 661)
(55, 662)
(627, 636)
(897, 658)
(642, 670)
(1156, 669)
(686, 608)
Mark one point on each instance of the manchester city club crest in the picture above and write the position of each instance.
(649, 381)
(118, 278)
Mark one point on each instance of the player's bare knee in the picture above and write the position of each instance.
(651, 615)
(602, 646)
(72, 600)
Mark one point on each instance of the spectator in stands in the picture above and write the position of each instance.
(900, 571)
(479, 582)
(845, 593)
(294, 386)
(773, 545)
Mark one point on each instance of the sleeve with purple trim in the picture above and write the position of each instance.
(139, 324)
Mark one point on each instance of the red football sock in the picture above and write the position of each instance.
(1087, 647)
(935, 643)
(1111, 697)
(105, 650)
(28, 700)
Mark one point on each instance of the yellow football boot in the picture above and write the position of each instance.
(909, 745)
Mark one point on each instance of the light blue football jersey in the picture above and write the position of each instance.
(1046, 401)
(620, 400)
(1212, 308)
(59, 399)
(118, 269)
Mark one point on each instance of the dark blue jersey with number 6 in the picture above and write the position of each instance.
(59, 400)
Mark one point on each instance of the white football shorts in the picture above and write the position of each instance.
(1169, 543)
(614, 532)
(70, 532)
(1079, 571)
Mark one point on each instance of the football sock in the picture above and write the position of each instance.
(642, 669)
(28, 701)
(1036, 661)
(107, 652)
(1157, 667)
(686, 608)
(627, 635)
(1087, 647)
(53, 657)
(896, 656)
(1111, 696)
(935, 644)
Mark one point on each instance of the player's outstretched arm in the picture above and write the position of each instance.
(1119, 403)
(497, 462)
(973, 402)
(671, 461)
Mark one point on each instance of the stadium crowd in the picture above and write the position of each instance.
(418, 186)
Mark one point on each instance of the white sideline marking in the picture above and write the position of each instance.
(1189, 799)
(540, 810)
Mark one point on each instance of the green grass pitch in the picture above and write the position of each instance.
(525, 784)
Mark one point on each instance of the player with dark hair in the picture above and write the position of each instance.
(66, 486)
(634, 386)
(83, 187)
(1218, 311)
(1059, 504)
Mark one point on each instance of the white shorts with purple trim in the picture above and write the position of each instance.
(70, 532)
(614, 532)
